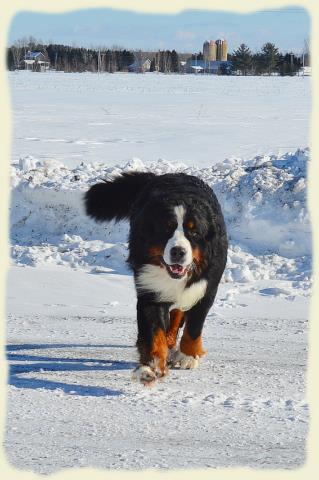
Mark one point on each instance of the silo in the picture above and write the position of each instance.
(212, 51)
(219, 49)
(206, 50)
(224, 51)
(209, 51)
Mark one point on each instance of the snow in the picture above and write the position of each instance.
(71, 300)
(49, 225)
(72, 402)
(198, 121)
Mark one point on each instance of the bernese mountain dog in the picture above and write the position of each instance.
(177, 252)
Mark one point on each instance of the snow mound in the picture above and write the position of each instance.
(263, 200)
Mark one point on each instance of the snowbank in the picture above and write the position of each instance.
(264, 203)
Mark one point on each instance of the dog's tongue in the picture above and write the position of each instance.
(178, 269)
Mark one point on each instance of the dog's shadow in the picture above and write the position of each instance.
(37, 363)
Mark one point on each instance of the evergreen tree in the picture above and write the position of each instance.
(258, 63)
(242, 59)
(270, 56)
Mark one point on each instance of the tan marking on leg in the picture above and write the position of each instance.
(159, 351)
(176, 316)
(191, 347)
(153, 359)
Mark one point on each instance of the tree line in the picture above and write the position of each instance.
(267, 61)
(71, 59)
(76, 59)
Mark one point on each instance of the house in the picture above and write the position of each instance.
(140, 66)
(36, 61)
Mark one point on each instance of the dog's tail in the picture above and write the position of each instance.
(113, 199)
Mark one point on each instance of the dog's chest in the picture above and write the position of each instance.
(189, 296)
(155, 279)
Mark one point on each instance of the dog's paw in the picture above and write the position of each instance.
(147, 374)
(183, 361)
(144, 374)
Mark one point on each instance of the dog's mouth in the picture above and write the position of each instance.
(176, 270)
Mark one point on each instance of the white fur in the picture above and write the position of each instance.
(179, 240)
(143, 373)
(185, 361)
(153, 278)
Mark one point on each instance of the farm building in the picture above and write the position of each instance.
(140, 66)
(214, 67)
(36, 61)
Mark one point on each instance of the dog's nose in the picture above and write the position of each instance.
(177, 253)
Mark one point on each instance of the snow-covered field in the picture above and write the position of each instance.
(71, 301)
(199, 121)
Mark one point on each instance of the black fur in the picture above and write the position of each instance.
(113, 199)
(148, 202)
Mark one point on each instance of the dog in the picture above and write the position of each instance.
(177, 252)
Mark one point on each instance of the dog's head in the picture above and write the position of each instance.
(176, 236)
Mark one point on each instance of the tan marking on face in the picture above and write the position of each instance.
(155, 254)
(176, 317)
(190, 224)
(198, 260)
(155, 251)
(197, 255)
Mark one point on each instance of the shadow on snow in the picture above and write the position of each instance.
(59, 364)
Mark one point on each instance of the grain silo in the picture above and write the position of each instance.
(219, 49)
(205, 50)
(212, 51)
(209, 51)
(224, 51)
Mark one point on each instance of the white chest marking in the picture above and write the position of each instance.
(152, 278)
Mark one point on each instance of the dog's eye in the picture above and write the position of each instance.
(193, 234)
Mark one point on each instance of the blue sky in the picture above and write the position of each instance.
(186, 31)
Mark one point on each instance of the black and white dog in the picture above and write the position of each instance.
(177, 251)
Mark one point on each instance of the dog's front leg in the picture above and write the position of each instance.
(191, 349)
(152, 322)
